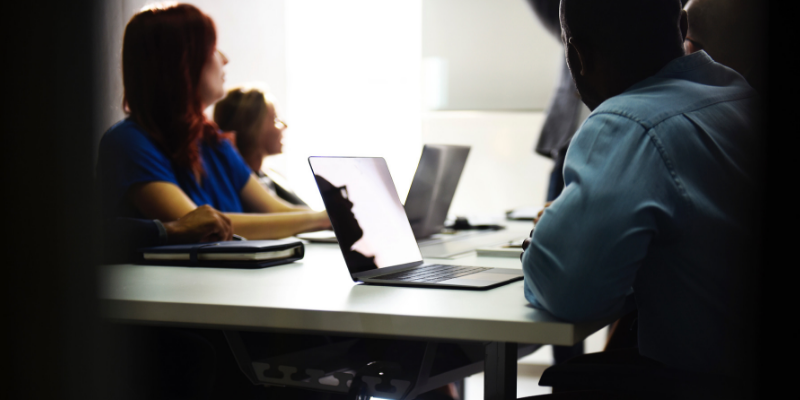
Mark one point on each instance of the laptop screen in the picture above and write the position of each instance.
(434, 185)
(365, 211)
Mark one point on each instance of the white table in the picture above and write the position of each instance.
(317, 295)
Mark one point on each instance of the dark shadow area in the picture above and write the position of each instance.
(345, 224)
(58, 345)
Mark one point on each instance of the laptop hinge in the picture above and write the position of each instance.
(360, 276)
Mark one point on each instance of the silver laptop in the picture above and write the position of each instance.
(433, 187)
(374, 233)
(429, 196)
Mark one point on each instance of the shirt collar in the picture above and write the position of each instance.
(676, 67)
(686, 63)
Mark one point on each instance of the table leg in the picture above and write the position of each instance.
(500, 371)
(240, 355)
(424, 370)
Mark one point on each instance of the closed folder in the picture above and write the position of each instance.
(231, 254)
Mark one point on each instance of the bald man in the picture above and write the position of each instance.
(658, 203)
(731, 32)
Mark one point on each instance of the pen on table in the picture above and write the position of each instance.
(237, 237)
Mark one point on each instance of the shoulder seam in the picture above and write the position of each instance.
(698, 106)
(666, 160)
(671, 169)
(620, 114)
(648, 130)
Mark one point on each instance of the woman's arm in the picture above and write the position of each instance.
(161, 200)
(256, 198)
(285, 219)
(167, 202)
(278, 225)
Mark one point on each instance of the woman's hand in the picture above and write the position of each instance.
(204, 224)
(167, 202)
(539, 214)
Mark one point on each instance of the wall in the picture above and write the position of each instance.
(501, 172)
(487, 55)
(249, 32)
(348, 78)
(353, 86)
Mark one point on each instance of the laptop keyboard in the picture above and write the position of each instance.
(432, 273)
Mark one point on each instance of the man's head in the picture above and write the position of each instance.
(730, 32)
(613, 44)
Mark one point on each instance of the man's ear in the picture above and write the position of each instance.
(684, 24)
(577, 57)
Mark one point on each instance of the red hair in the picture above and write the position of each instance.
(163, 53)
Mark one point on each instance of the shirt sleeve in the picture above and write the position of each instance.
(129, 156)
(238, 170)
(124, 236)
(588, 245)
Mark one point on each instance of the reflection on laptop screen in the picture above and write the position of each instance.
(365, 211)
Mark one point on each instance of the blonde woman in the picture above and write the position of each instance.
(251, 114)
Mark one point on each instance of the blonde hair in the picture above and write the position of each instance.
(243, 111)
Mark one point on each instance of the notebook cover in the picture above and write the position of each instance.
(247, 246)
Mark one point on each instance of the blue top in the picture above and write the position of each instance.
(656, 203)
(128, 155)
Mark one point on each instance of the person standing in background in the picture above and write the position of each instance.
(565, 112)
(564, 115)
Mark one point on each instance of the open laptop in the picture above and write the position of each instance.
(374, 234)
(430, 194)
(433, 187)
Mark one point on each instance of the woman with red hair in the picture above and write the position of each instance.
(167, 158)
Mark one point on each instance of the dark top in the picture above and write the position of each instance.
(122, 237)
(280, 191)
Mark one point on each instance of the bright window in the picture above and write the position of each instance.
(353, 87)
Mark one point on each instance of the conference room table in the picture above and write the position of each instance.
(316, 295)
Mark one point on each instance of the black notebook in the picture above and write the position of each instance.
(232, 254)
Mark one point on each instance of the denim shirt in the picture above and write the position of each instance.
(657, 202)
